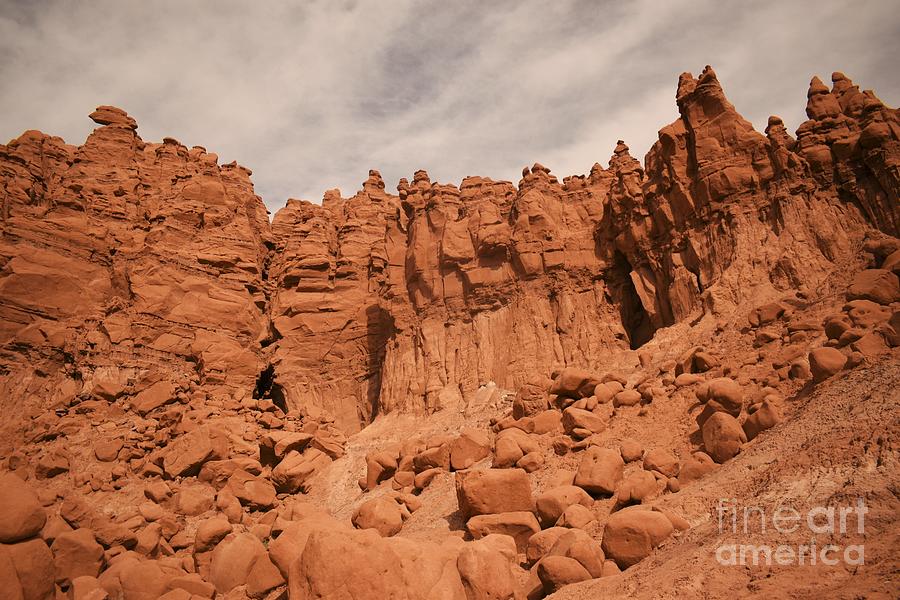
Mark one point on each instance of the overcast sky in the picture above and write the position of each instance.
(310, 95)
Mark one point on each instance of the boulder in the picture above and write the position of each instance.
(210, 532)
(576, 517)
(435, 457)
(380, 465)
(636, 488)
(22, 515)
(493, 491)
(551, 504)
(764, 417)
(486, 570)
(541, 542)
(630, 450)
(236, 559)
(574, 383)
(695, 467)
(558, 571)
(661, 461)
(346, 565)
(293, 474)
(600, 470)
(722, 394)
(518, 525)
(33, 562)
(578, 418)
(76, 553)
(144, 580)
(723, 436)
(254, 492)
(580, 546)
(187, 454)
(158, 394)
(469, 448)
(878, 285)
(825, 362)
(384, 514)
(548, 421)
(631, 535)
(531, 399)
(627, 398)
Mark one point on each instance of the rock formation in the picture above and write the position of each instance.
(533, 367)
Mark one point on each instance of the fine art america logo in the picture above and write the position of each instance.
(828, 523)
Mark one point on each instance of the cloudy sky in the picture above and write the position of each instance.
(310, 95)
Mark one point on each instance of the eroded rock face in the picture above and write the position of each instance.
(126, 264)
(149, 272)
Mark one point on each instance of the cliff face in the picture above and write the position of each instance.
(128, 265)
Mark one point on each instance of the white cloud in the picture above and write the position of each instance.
(310, 95)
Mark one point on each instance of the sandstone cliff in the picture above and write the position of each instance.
(129, 267)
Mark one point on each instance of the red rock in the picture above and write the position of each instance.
(722, 436)
(627, 398)
(577, 418)
(384, 514)
(34, 567)
(76, 553)
(486, 572)
(194, 500)
(825, 362)
(662, 461)
(153, 397)
(233, 561)
(337, 563)
(193, 584)
(437, 457)
(695, 467)
(106, 450)
(187, 454)
(722, 394)
(531, 462)
(877, 285)
(551, 504)
(144, 580)
(210, 532)
(51, 464)
(600, 470)
(574, 383)
(531, 399)
(576, 517)
(558, 571)
(636, 488)
(518, 525)
(469, 448)
(580, 546)
(493, 491)
(22, 515)
(632, 533)
(294, 472)
(764, 417)
(254, 492)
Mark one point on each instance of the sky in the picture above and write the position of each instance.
(311, 95)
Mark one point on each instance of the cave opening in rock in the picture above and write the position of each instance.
(634, 316)
(268, 389)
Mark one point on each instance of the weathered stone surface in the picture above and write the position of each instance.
(22, 515)
(632, 533)
(600, 470)
(518, 525)
(722, 436)
(493, 491)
